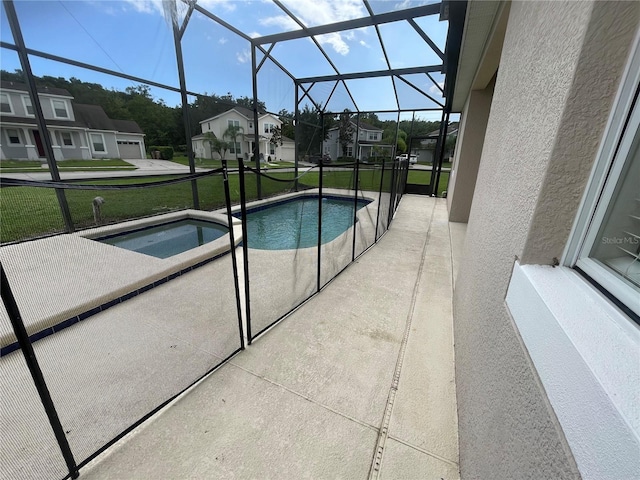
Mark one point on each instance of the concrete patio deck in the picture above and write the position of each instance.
(357, 383)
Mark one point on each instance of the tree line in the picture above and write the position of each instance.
(164, 125)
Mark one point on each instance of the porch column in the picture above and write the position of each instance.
(29, 144)
(57, 149)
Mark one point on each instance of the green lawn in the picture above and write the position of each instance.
(423, 177)
(27, 212)
(25, 166)
(212, 163)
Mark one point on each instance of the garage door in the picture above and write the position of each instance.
(129, 149)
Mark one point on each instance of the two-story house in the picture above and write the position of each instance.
(368, 138)
(243, 146)
(77, 131)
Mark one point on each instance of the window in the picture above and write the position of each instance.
(28, 107)
(233, 123)
(97, 142)
(349, 152)
(66, 139)
(13, 135)
(373, 136)
(272, 149)
(269, 127)
(5, 104)
(605, 244)
(209, 126)
(235, 148)
(250, 125)
(59, 108)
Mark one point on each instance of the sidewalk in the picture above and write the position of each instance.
(357, 383)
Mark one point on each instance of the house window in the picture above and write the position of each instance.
(233, 123)
(606, 242)
(13, 135)
(250, 125)
(59, 108)
(272, 149)
(97, 142)
(5, 104)
(349, 152)
(67, 139)
(28, 107)
(373, 136)
(269, 127)
(209, 126)
(235, 148)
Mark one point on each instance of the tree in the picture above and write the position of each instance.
(232, 133)
(345, 131)
(216, 145)
(276, 136)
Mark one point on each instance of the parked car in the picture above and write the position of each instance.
(412, 158)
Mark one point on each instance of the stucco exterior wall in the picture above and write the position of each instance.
(507, 428)
(466, 162)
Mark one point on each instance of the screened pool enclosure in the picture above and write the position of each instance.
(289, 123)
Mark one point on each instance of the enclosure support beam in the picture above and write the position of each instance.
(440, 145)
(36, 373)
(421, 91)
(296, 127)
(232, 244)
(185, 102)
(256, 145)
(426, 38)
(372, 74)
(16, 31)
(369, 21)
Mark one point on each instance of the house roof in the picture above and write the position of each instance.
(5, 85)
(245, 112)
(451, 130)
(363, 126)
(86, 116)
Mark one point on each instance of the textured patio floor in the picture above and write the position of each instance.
(357, 383)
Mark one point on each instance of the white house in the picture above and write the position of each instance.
(424, 146)
(77, 131)
(244, 145)
(368, 138)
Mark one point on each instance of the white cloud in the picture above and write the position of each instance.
(222, 41)
(435, 90)
(254, 34)
(364, 44)
(321, 12)
(244, 56)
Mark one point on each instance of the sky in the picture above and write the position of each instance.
(135, 37)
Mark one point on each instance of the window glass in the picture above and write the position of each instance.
(60, 109)
(98, 142)
(617, 243)
(5, 106)
(67, 140)
(233, 123)
(27, 105)
(14, 136)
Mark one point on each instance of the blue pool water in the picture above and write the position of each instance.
(168, 239)
(294, 223)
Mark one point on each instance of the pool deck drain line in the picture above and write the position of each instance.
(376, 464)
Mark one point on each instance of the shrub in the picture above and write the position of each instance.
(165, 151)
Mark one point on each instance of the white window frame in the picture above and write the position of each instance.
(92, 143)
(235, 149)
(25, 99)
(268, 127)
(233, 123)
(62, 144)
(349, 152)
(272, 149)
(12, 111)
(53, 108)
(613, 153)
(20, 139)
(373, 135)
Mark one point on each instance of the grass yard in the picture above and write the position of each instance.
(26, 166)
(423, 177)
(212, 163)
(28, 212)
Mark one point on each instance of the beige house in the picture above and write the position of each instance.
(244, 144)
(547, 300)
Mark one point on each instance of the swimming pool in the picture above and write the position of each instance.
(293, 223)
(168, 239)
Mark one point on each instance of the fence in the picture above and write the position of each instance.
(96, 338)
